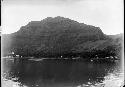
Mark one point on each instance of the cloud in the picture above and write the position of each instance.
(40, 2)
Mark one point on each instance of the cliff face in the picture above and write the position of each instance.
(57, 36)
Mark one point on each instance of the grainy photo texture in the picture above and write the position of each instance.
(62, 43)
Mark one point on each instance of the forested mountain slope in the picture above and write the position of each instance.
(53, 37)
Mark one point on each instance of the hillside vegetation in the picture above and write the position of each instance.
(59, 36)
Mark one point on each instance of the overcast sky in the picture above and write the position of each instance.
(106, 14)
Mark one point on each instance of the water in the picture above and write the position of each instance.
(60, 73)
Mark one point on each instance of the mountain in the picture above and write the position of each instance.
(53, 37)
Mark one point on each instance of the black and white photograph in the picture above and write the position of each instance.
(62, 43)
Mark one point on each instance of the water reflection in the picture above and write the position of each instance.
(57, 73)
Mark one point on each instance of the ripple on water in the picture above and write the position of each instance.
(11, 83)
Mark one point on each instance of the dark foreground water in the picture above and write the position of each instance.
(60, 73)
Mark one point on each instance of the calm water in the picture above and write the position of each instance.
(60, 73)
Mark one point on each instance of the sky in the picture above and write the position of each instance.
(106, 14)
